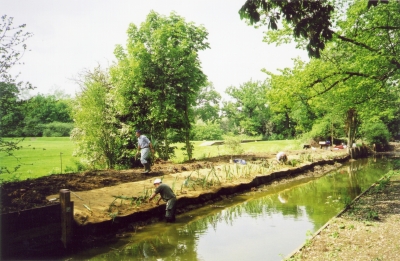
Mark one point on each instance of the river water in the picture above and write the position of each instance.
(267, 224)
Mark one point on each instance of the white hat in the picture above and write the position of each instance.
(156, 181)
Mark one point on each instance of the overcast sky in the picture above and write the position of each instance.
(70, 36)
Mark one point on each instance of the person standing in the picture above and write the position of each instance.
(168, 196)
(144, 147)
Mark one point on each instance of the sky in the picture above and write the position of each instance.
(73, 36)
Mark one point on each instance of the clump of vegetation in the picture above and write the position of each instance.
(376, 133)
(233, 145)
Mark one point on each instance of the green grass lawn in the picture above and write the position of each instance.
(39, 157)
(42, 156)
(202, 152)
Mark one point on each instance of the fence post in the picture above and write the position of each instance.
(67, 213)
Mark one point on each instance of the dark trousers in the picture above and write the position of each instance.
(170, 210)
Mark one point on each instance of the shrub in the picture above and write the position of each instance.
(57, 129)
(233, 145)
(207, 131)
(375, 132)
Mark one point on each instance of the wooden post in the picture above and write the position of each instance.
(67, 209)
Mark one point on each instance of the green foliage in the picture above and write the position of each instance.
(248, 110)
(12, 49)
(27, 118)
(48, 108)
(11, 113)
(376, 132)
(301, 15)
(95, 131)
(57, 129)
(207, 104)
(233, 145)
(345, 84)
(158, 76)
(207, 131)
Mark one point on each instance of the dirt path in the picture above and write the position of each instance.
(368, 230)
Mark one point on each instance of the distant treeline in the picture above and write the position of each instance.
(40, 115)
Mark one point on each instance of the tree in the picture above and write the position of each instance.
(249, 107)
(11, 113)
(310, 19)
(207, 103)
(207, 131)
(44, 109)
(356, 77)
(158, 77)
(96, 132)
(12, 48)
(313, 21)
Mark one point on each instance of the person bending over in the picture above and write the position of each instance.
(281, 157)
(168, 196)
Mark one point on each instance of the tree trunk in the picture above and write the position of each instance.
(189, 149)
(165, 154)
(351, 126)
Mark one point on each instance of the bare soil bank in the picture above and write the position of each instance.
(21, 195)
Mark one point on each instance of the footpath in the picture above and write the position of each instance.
(368, 229)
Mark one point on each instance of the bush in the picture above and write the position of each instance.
(233, 145)
(57, 129)
(207, 131)
(375, 132)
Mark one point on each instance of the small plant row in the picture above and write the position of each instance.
(214, 177)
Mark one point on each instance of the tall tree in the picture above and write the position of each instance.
(11, 112)
(12, 46)
(158, 76)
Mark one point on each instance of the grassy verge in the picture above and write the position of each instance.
(45, 156)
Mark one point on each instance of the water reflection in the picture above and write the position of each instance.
(267, 224)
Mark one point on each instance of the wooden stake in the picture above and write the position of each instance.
(67, 209)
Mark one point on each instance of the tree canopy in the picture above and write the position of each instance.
(158, 76)
(357, 78)
(314, 21)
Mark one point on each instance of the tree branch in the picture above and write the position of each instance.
(343, 38)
